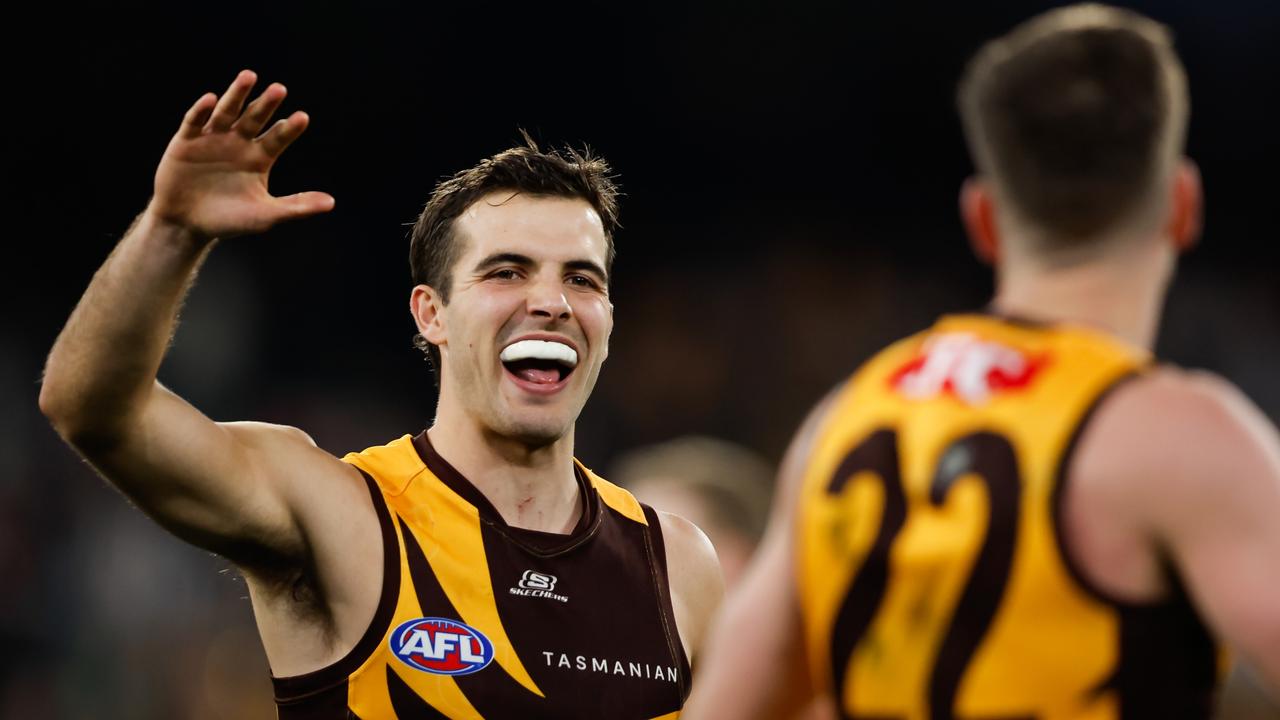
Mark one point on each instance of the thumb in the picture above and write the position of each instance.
(304, 204)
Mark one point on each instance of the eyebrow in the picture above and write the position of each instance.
(588, 266)
(504, 258)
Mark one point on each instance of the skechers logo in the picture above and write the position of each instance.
(537, 581)
(441, 646)
(536, 584)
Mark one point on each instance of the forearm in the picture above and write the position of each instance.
(103, 365)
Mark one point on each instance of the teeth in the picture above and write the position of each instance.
(540, 350)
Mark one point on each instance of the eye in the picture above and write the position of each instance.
(584, 281)
(505, 274)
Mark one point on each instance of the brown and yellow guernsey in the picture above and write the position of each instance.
(934, 577)
(482, 620)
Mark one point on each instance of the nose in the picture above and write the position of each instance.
(547, 299)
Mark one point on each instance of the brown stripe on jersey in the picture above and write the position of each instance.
(328, 704)
(992, 457)
(879, 454)
(1059, 490)
(601, 644)
(492, 692)
(313, 696)
(656, 547)
(547, 545)
(616, 613)
(406, 703)
(539, 543)
(1016, 320)
(1167, 665)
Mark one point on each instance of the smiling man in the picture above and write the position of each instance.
(476, 570)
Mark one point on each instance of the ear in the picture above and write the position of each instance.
(1186, 206)
(426, 306)
(978, 213)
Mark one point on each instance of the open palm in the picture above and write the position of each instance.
(212, 179)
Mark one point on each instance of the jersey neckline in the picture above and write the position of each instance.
(990, 315)
(540, 543)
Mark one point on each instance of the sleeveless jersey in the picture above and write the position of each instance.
(482, 620)
(933, 576)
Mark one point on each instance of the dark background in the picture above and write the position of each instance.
(791, 174)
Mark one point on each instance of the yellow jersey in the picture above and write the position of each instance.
(481, 620)
(933, 576)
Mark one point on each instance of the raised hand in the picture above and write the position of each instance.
(212, 180)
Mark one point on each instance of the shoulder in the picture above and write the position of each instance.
(282, 451)
(688, 546)
(1172, 418)
(796, 460)
(1171, 440)
(693, 572)
(268, 435)
(615, 497)
(1182, 389)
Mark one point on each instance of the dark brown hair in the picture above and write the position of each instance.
(1077, 116)
(435, 245)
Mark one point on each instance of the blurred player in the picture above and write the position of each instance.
(721, 487)
(473, 571)
(1021, 514)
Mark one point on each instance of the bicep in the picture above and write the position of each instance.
(220, 486)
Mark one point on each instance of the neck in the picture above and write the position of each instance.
(1121, 294)
(532, 487)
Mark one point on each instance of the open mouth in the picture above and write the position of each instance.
(540, 363)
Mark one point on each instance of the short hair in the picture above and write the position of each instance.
(434, 243)
(1077, 116)
(735, 482)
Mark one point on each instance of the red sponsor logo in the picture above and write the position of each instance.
(441, 646)
(964, 366)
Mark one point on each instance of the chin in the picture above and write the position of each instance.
(534, 433)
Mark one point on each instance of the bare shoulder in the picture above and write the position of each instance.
(312, 610)
(693, 571)
(796, 460)
(1177, 388)
(1171, 424)
(1166, 445)
(688, 546)
(327, 498)
(272, 437)
(287, 451)
(1197, 468)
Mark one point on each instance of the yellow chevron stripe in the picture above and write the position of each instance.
(455, 552)
(615, 497)
(393, 465)
(367, 693)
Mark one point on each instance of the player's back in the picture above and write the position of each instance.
(934, 577)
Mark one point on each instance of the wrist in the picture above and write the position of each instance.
(153, 224)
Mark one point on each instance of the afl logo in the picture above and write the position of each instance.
(441, 646)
